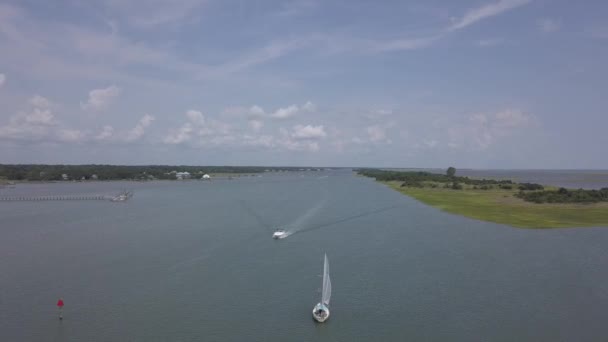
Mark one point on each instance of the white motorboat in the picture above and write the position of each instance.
(279, 234)
(122, 197)
(321, 311)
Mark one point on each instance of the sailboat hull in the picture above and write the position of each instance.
(320, 313)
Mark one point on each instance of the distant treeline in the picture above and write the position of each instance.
(417, 178)
(565, 196)
(530, 192)
(33, 172)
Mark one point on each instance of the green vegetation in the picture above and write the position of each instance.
(500, 206)
(119, 172)
(419, 178)
(565, 196)
(530, 186)
(502, 202)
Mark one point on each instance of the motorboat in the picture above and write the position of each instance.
(279, 234)
(122, 197)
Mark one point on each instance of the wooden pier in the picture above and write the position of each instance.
(56, 198)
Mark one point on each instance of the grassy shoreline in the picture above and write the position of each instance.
(501, 206)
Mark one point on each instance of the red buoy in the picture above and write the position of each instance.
(60, 306)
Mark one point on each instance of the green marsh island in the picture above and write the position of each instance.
(523, 205)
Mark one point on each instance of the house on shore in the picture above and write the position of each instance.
(182, 175)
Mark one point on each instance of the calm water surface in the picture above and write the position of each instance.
(194, 261)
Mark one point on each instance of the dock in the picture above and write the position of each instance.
(56, 198)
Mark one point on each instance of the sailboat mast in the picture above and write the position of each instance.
(324, 275)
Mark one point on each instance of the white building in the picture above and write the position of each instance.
(64, 176)
(182, 175)
(206, 176)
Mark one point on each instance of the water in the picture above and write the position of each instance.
(194, 261)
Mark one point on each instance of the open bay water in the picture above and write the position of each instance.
(195, 261)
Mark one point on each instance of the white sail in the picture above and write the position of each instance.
(326, 283)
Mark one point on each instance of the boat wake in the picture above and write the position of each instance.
(299, 222)
(348, 218)
(286, 234)
(298, 225)
(258, 218)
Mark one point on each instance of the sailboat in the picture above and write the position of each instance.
(321, 311)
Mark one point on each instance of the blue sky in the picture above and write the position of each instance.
(480, 84)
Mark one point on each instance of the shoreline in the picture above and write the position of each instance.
(221, 176)
(502, 207)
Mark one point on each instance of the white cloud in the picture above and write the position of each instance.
(287, 141)
(40, 116)
(257, 111)
(40, 113)
(72, 51)
(483, 130)
(106, 133)
(284, 113)
(34, 124)
(470, 17)
(309, 106)
(214, 128)
(300, 138)
(217, 133)
(100, 98)
(71, 135)
(548, 25)
(486, 11)
(139, 130)
(308, 132)
(511, 118)
(256, 125)
(311, 146)
(196, 117)
(2, 79)
(179, 135)
(40, 102)
(205, 131)
(259, 141)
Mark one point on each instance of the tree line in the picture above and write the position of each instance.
(417, 178)
(530, 192)
(37, 172)
(563, 195)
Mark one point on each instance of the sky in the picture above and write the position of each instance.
(474, 84)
